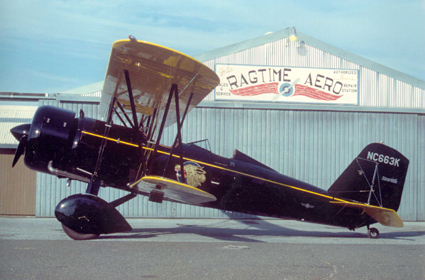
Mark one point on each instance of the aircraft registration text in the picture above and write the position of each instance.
(383, 158)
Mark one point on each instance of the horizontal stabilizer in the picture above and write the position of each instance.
(385, 216)
(176, 190)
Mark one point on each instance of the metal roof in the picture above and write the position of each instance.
(272, 37)
(93, 89)
(275, 36)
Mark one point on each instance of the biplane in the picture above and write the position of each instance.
(149, 87)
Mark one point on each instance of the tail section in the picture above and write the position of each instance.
(376, 177)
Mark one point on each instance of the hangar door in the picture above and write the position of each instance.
(17, 186)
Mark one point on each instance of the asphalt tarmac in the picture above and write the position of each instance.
(37, 248)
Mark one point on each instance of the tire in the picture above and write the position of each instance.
(79, 236)
(373, 233)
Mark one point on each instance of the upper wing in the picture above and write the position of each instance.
(152, 70)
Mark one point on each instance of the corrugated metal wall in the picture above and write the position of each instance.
(313, 146)
(421, 168)
(375, 89)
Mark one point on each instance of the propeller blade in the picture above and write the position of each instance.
(20, 132)
(20, 150)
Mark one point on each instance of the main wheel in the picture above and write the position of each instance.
(79, 236)
(373, 233)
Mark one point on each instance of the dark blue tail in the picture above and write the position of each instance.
(376, 176)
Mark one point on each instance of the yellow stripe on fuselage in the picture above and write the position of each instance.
(110, 139)
(361, 205)
(234, 171)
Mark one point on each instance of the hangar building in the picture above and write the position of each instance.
(341, 103)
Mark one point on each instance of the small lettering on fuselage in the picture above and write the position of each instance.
(390, 180)
(220, 164)
(383, 159)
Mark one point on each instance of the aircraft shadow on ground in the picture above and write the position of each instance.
(255, 228)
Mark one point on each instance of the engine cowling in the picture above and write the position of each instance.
(59, 143)
(50, 138)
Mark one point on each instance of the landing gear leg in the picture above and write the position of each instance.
(85, 216)
(372, 232)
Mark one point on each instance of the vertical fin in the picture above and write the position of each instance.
(376, 176)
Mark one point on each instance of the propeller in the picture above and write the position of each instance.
(20, 132)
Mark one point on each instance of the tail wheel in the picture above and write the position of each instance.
(79, 236)
(373, 233)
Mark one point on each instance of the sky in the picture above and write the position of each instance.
(49, 46)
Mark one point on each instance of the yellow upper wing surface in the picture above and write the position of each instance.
(152, 70)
